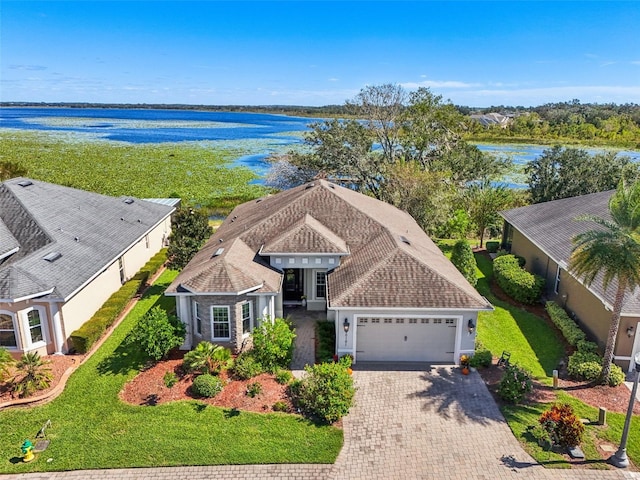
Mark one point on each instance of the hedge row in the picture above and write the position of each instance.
(585, 365)
(84, 337)
(519, 284)
(570, 329)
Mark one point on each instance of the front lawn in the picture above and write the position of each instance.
(533, 343)
(91, 428)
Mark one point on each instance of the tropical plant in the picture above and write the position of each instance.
(33, 374)
(273, 344)
(611, 252)
(6, 361)
(170, 379)
(246, 366)
(157, 333)
(207, 358)
(562, 425)
(254, 389)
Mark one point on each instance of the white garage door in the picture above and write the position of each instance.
(405, 339)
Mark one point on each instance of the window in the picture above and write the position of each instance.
(197, 319)
(7, 331)
(35, 326)
(220, 327)
(246, 317)
(556, 288)
(321, 284)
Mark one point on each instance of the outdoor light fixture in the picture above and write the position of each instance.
(620, 459)
(346, 325)
(471, 326)
(629, 332)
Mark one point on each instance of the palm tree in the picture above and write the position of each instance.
(33, 374)
(613, 249)
(207, 358)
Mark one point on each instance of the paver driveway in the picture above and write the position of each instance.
(406, 424)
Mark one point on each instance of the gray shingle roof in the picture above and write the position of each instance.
(89, 230)
(552, 225)
(380, 270)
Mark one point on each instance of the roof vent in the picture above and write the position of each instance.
(218, 252)
(76, 239)
(258, 200)
(52, 257)
(128, 201)
(310, 185)
(405, 240)
(331, 185)
(25, 183)
(220, 240)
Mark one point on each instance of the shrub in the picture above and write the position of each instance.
(463, 259)
(207, 385)
(325, 392)
(280, 406)
(33, 374)
(273, 344)
(587, 346)
(584, 366)
(254, 389)
(207, 358)
(84, 337)
(562, 425)
(492, 246)
(519, 284)
(6, 361)
(157, 333)
(481, 358)
(326, 335)
(515, 384)
(570, 329)
(283, 376)
(170, 379)
(247, 366)
(616, 376)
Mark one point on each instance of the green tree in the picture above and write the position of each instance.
(568, 172)
(157, 333)
(33, 374)
(484, 201)
(189, 230)
(611, 252)
(462, 257)
(273, 344)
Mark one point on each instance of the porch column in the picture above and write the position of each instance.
(58, 336)
(183, 311)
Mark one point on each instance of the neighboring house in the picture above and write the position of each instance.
(322, 247)
(542, 234)
(63, 252)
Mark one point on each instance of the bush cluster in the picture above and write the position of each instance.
(515, 384)
(463, 259)
(326, 335)
(516, 282)
(157, 333)
(273, 344)
(492, 246)
(587, 365)
(481, 358)
(570, 329)
(84, 337)
(326, 392)
(207, 386)
(562, 425)
(246, 366)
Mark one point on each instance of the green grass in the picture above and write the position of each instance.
(91, 428)
(533, 343)
(520, 417)
(198, 174)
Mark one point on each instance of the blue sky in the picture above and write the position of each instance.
(318, 53)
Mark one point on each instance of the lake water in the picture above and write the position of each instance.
(255, 135)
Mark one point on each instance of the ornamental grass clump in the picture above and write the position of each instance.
(562, 425)
(515, 384)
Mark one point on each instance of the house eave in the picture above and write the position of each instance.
(191, 293)
(27, 297)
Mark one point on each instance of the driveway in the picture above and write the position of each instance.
(408, 423)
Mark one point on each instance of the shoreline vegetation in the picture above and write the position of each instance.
(565, 123)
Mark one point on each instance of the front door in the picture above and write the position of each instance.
(293, 285)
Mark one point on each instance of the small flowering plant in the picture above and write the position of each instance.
(464, 361)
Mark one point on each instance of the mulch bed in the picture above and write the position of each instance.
(148, 388)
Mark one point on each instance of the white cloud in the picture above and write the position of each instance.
(333, 79)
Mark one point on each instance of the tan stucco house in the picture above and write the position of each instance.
(324, 247)
(63, 252)
(542, 234)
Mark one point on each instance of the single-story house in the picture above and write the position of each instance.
(390, 291)
(542, 234)
(63, 252)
